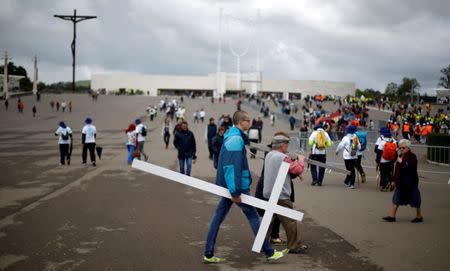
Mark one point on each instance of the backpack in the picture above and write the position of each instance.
(65, 135)
(354, 146)
(321, 140)
(143, 131)
(362, 139)
(390, 150)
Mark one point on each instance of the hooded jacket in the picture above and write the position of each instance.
(232, 170)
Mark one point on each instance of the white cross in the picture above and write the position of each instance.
(271, 207)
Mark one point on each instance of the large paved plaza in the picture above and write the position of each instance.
(113, 217)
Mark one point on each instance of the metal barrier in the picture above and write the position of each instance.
(425, 154)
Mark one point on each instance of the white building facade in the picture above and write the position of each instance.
(216, 85)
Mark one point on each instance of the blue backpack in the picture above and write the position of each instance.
(362, 137)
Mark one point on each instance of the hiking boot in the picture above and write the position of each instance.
(213, 259)
(277, 255)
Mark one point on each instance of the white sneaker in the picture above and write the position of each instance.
(351, 187)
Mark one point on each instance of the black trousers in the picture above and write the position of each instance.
(359, 166)
(166, 139)
(63, 153)
(91, 147)
(350, 166)
(386, 170)
(210, 149)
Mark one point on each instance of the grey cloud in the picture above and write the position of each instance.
(373, 43)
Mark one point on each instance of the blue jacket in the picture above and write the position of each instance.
(232, 170)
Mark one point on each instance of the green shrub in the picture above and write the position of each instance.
(437, 154)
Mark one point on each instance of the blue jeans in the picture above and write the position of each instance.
(130, 149)
(220, 214)
(188, 165)
(318, 178)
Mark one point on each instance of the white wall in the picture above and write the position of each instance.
(152, 83)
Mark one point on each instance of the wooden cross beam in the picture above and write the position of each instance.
(271, 207)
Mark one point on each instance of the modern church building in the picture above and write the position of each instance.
(216, 85)
(220, 83)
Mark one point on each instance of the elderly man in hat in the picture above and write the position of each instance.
(350, 144)
(272, 163)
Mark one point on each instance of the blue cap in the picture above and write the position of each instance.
(351, 129)
(62, 124)
(88, 120)
(385, 131)
(137, 121)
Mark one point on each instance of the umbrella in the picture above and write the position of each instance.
(99, 152)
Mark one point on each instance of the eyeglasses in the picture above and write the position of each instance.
(402, 148)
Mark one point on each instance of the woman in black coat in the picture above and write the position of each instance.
(406, 183)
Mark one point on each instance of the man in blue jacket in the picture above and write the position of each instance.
(233, 173)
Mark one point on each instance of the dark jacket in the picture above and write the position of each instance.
(212, 131)
(184, 141)
(232, 171)
(405, 176)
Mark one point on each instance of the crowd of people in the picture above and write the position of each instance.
(227, 140)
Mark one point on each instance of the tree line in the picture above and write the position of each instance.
(27, 85)
(408, 87)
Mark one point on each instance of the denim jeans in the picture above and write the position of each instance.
(130, 149)
(221, 212)
(188, 161)
(318, 178)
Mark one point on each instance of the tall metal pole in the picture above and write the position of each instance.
(219, 57)
(5, 77)
(74, 49)
(75, 19)
(35, 76)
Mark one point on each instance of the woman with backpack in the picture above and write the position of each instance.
(131, 141)
(386, 149)
(362, 137)
(350, 144)
(64, 134)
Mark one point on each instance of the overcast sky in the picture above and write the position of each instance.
(370, 43)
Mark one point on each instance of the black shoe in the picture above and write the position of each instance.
(319, 184)
(313, 183)
(389, 219)
(93, 164)
(417, 220)
(68, 162)
(300, 250)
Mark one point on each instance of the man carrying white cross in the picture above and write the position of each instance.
(233, 173)
(272, 164)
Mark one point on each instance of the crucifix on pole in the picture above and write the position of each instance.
(75, 19)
